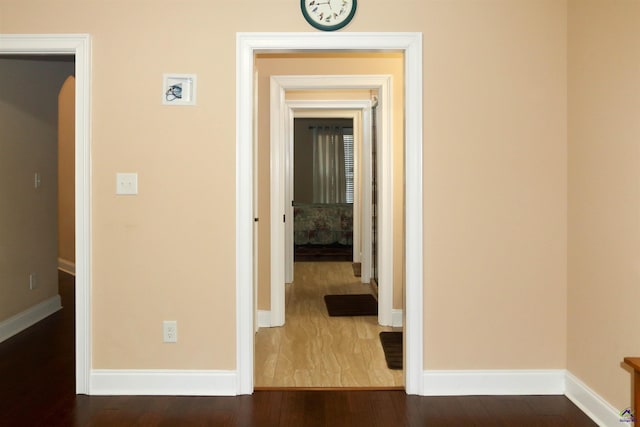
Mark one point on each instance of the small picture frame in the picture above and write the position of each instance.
(179, 89)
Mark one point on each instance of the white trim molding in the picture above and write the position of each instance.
(67, 266)
(29, 317)
(282, 114)
(522, 382)
(589, 402)
(494, 382)
(78, 45)
(109, 382)
(247, 46)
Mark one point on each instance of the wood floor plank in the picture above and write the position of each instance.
(313, 349)
(37, 389)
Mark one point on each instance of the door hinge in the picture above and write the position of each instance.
(284, 218)
(255, 219)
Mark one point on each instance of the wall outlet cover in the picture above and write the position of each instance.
(126, 183)
(170, 331)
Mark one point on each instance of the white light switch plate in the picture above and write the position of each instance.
(126, 183)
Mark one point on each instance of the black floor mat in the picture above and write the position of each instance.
(316, 253)
(351, 305)
(392, 346)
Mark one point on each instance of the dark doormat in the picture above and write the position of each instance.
(392, 346)
(315, 253)
(357, 269)
(351, 305)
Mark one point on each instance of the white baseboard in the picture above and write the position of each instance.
(29, 317)
(396, 318)
(436, 383)
(493, 382)
(67, 266)
(264, 318)
(108, 382)
(598, 409)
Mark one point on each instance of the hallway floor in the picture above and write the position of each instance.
(37, 370)
(315, 350)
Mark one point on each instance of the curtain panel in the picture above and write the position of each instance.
(329, 182)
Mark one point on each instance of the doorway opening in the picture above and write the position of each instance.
(410, 45)
(292, 96)
(78, 47)
(323, 189)
(297, 95)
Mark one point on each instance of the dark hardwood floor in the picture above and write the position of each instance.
(37, 389)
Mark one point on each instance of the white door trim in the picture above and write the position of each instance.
(282, 179)
(281, 207)
(78, 45)
(247, 45)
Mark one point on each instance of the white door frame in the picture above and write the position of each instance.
(247, 45)
(383, 86)
(282, 181)
(78, 45)
(281, 247)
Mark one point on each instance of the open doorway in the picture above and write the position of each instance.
(322, 84)
(37, 115)
(77, 47)
(291, 94)
(248, 45)
(37, 216)
(317, 346)
(323, 189)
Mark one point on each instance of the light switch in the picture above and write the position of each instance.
(127, 183)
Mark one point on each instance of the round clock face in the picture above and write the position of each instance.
(328, 15)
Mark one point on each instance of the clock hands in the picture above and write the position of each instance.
(328, 15)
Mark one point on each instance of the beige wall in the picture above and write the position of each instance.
(66, 171)
(604, 194)
(494, 182)
(28, 216)
(329, 64)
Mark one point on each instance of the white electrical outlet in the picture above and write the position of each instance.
(170, 331)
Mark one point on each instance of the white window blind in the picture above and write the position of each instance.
(347, 134)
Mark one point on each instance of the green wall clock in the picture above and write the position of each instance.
(328, 15)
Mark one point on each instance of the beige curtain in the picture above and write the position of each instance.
(329, 184)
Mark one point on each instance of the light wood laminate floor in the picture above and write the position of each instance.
(315, 350)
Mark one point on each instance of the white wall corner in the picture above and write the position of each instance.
(494, 382)
(107, 382)
(31, 316)
(589, 402)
